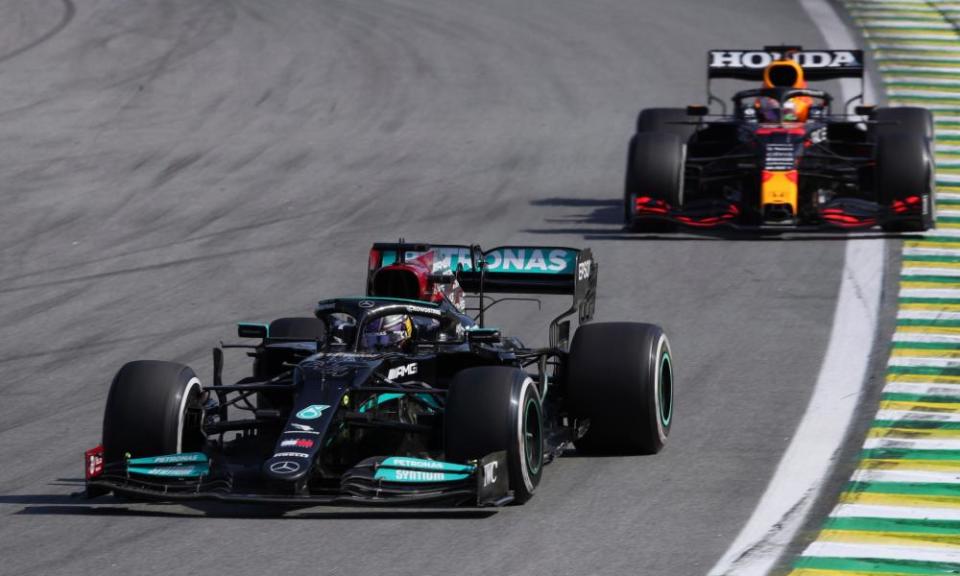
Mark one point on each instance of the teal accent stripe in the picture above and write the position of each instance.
(924, 258)
(909, 454)
(945, 323)
(945, 346)
(905, 488)
(898, 567)
(934, 301)
(894, 525)
(917, 424)
(923, 370)
(935, 399)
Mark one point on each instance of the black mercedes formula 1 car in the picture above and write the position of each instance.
(782, 158)
(400, 396)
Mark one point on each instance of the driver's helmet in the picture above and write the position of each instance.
(387, 332)
(796, 109)
(769, 110)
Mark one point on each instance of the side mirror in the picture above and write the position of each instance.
(249, 330)
(697, 110)
(864, 109)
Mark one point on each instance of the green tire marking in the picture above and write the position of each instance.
(665, 419)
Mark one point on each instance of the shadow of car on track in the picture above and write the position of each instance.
(603, 220)
(75, 504)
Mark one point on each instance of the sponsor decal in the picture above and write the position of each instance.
(422, 463)
(490, 473)
(392, 475)
(779, 157)
(297, 443)
(537, 260)
(171, 471)
(583, 270)
(423, 310)
(312, 412)
(366, 304)
(555, 261)
(187, 458)
(401, 371)
(759, 59)
(420, 476)
(285, 467)
(406, 463)
(291, 455)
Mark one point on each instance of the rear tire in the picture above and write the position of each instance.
(903, 119)
(272, 362)
(494, 408)
(905, 169)
(308, 329)
(666, 121)
(153, 409)
(655, 165)
(620, 377)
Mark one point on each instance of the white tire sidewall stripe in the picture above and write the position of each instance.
(183, 407)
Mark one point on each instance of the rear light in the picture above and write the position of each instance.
(374, 262)
(94, 462)
(792, 176)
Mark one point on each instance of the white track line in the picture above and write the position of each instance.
(926, 338)
(914, 444)
(923, 361)
(912, 476)
(806, 463)
(907, 512)
(884, 551)
(925, 388)
(928, 315)
(917, 415)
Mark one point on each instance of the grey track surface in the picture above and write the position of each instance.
(170, 167)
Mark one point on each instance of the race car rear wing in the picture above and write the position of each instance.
(503, 270)
(817, 65)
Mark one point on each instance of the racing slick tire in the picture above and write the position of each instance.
(655, 165)
(666, 121)
(620, 377)
(153, 408)
(310, 329)
(903, 119)
(306, 329)
(494, 408)
(904, 169)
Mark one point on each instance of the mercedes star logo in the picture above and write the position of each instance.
(285, 467)
(366, 304)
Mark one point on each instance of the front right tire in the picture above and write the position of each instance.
(655, 167)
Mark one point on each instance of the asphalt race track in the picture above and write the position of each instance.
(171, 167)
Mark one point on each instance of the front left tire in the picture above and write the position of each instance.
(494, 408)
(153, 408)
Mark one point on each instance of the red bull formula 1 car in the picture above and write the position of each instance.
(399, 396)
(782, 158)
